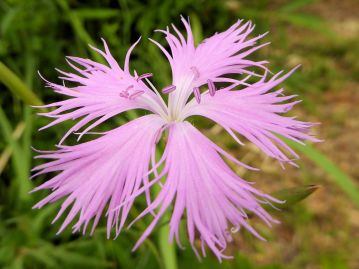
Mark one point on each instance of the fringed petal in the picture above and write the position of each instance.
(102, 173)
(256, 112)
(211, 61)
(101, 92)
(202, 186)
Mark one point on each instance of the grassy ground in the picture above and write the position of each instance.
(320, 232)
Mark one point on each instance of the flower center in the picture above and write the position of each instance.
(179, 93)
(184, 87)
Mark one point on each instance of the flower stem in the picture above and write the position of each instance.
(168, 251)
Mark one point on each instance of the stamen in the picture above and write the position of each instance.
(168, 89)
(211, 87)
(125, 93)
(129, 88)
(197, 94)
(146, 75)
(195, 72)
(136, 94)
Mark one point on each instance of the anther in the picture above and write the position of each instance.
(211, 87)
(129, 88)
(125, 93)
(197, 94)
(136, 94)
(146, 75)
(168, 89)
(195, 72)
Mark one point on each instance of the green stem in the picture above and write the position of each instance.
(168, 251)
(15, 85)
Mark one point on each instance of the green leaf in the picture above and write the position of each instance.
(41, 218)
(295, 5)
(338, 176)
(8, 19)
(23, 183)
(291, 196)
(307, 21)
(155, 252)
(79, 29)
(97, 14)
(26, 141)
(196, 28)
(43, 257)
(18, 87)
(77, 258)
(6, 154)
(18, 263)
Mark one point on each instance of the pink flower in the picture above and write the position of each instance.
(110, 172)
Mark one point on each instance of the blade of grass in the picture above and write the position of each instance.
(15, 85)
(155, 252)
(26, 140)
(30, 69)
(336, 174)
(72, 257)
(18, 263)
(23, 183)
(6, 154)
(43, 257)
(95, 14)
(79, 28)
(307, 21)
(295, 5)
(150, 245)
(196, 28)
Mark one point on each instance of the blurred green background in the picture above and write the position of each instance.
(319, 232)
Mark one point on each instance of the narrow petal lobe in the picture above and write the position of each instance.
(202, 187)
(102, 173)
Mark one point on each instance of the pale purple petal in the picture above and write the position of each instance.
(205, 191)
(101, 92)
(102, 173)
(211, 61)
(223, 53)
(256, 112)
